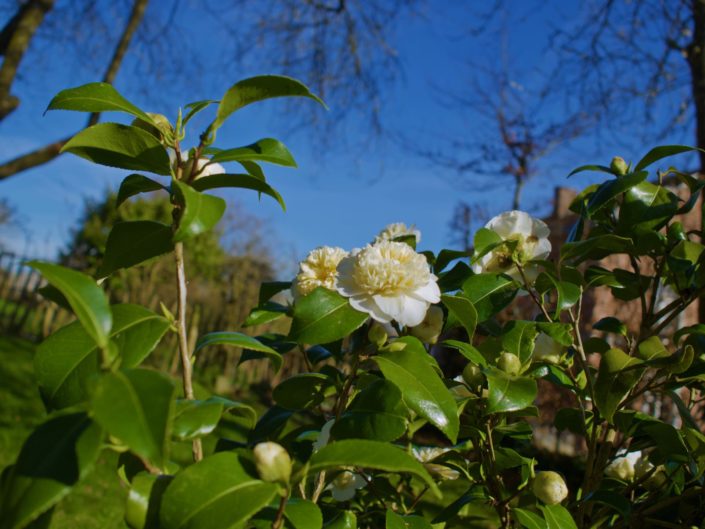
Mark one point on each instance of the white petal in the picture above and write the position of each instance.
(368, 305)
(542, 249)
(414, 312)
(390, 305)
(344, 493)
(429, 292)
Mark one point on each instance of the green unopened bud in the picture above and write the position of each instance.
(509, 363)
(158, 127)
(273, 463)
(472, 375)
(619, 166)
(430, 328)
(377, 335)
(549, 487)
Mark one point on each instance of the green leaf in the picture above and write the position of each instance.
(463, 310)
(87, 299)
(613, 383)
(323, 317)
(133, 242)
(647, 207)
(242, 181)
(489, 293)
(528, 519)
(344, 520)
(303, 514)
(55, 457)
(95, 97)
(518, 338)
(652, 348)
(264, 314)
(364, 453)
(397, 521)
(265, 150)
(135, 184)
(121, 146)
(196, 107)
(508, 393)
(560, 332)
(196, 418)
(558, 517)
(200, 212)
(259, 88)
(238, 339)
(658, 153)
(608, 191)
(67, 360)
(218, 491)
(413, 369)
(568, 293)
(137, 407)
(468, 351)
(596, 248)
(269, 289)
(144, 499)
(485, 241)
(377, 412)
(610, 324)
(445, 257)
(597, 168)
(301, 391)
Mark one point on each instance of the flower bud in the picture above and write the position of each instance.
(430, 328)
(550, 488)
(619, 166)
(159, 127)
(472, 375)
(377, 334)
(509, 363)
(273, 462)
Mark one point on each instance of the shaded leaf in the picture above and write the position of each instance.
(95, 97)
(133, 242)
(135, 184)
(242, 181)
(200, 213)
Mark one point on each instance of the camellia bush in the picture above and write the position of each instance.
(373, 434)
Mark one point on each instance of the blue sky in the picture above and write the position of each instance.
(342, 197)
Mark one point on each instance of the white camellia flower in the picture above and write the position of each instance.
(389, 281)
(531, 235)
(201, 168)
(318, 270)
(345, 484)
(430, 328)
(323, 436)
(623, 466)
(547, 349)
(398, 229)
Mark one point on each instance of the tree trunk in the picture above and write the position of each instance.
(17, 35)
(518, 185)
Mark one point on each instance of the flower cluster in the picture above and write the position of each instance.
(388, 279)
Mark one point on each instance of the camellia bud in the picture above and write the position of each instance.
(509, 363)
(549, 487)
(472, 375)
(619, 166)
(430, 328)
(377, 334)
(273, 462)
(159, 127)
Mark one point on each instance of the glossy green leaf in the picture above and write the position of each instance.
(121, 146)
(218, 491)
(508, 393)
(364, 453)
(264, 314)
(613, 382)
(301, 391)
(485, 241)
(413, 369)
(269, 289)
(468, 351)
(54, 458)
(303, 514)
(558, 517)
(67, 360)
(518, 338)
(95, 97)
(651, 349)
(445, 257)
(451, 280)
(528, 519)
(610, 324)
(144, 500)
(200, 213)
(137, 407)
(343, 520)
(377, 412)
(608, 191)
(259, 88)
(238, 339)
(489, 293)
(264, 150)
(567, 293)
(135, 184)
(397, 521)
(560, 332)
(658, 153)
(133, 242)
(596, 248)
(323, 317)
(463, 310)
(196, 107)
(242, 181)
(646, 206)
(87, 299)
(195, 418)
(596, 168)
